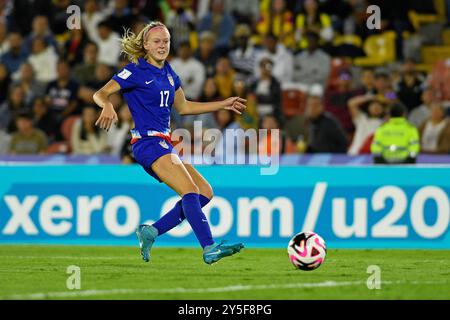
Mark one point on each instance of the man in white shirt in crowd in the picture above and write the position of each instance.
(365, 123)
(191, 72)
(282, 59)
(108, 43)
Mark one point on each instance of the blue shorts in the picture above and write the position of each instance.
(147, 150)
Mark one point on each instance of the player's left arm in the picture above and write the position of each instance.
(186, 107)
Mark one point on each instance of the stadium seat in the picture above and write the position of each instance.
(418, 19)
(446, 37)
(337, 65)
(380, 50)
(290, 147)
(347, 39)
(432, 54)
(292, 102)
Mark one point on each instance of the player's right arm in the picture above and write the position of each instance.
(101, 98)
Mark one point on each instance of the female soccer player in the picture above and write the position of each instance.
(151, 88)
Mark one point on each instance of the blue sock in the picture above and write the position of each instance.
(196, 218)
(175, 216)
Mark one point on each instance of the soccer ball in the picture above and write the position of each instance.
(307, 251)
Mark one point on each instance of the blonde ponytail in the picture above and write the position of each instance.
(133, 45)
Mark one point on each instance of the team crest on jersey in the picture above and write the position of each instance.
(163, 144)
(169, 76)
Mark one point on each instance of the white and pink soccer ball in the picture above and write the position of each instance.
(307, 251)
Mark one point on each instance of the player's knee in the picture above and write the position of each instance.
(192, 188)
(207, 191)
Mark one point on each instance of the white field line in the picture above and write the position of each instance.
(72, 257)
(234, 288)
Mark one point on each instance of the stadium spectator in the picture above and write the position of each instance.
(249, 118)
(271, 142)
(278, 20)
(435, 132)
(311, 19)
(84, 71)
(383, 87)
(409, 89)
(121, 16)
(420, 114)
(41, 30)
(27, 139)
(397, 140)
(224, 77)
(243, 56)
(4, 43)
(244, 11)
(181, 23)
(296, 132)
(73, 47)
(313, 64)
(368, 81)
(325, 134)
(191, 72)
(91, 17)
(61, 94)
(28, 82)
(43, 58)
(86, 138)
(439, 79)
(119, 134)
(11, 108)
(25, 11)
(268, 91)
(102, 75)
(219, 22)
(4, 142)
(365, 123)
(108, 44)
(44, 119)
(336, 100)
(16, 54)
(206, 53)
(281, 57)
(225, 149)
(5, 80)
(58, 17)
(209, 94)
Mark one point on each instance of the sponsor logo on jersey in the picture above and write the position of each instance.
(124, 74)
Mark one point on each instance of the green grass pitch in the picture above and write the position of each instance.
(40, 272)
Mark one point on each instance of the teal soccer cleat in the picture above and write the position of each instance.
(146, 235)
(215, 252)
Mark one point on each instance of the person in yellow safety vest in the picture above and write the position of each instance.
(397, 140)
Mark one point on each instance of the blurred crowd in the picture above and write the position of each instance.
(306, 67)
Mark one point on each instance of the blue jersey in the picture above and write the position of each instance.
(149, 92)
